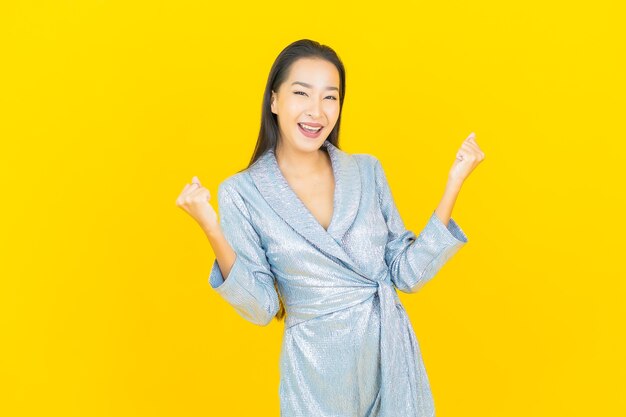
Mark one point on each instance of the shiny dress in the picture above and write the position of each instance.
(348, 347)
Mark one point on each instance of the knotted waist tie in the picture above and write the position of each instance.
(397, 351)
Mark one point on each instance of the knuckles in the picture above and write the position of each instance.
(189, 200)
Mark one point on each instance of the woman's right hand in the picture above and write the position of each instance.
(194, 199)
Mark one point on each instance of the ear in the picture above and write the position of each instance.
(273, 102)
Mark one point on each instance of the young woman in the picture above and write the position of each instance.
(311, 234)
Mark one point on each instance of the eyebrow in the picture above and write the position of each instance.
(310, 86)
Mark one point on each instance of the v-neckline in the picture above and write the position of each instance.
(336, 181)
(275, 190)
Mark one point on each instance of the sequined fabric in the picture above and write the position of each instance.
(348, 347)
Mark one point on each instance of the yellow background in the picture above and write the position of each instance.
(107, 109)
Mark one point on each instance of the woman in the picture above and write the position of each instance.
(310, 233)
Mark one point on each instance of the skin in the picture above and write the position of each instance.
(305, 166)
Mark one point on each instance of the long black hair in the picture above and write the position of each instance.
(269, 132)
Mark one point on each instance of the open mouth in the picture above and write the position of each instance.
(309, 131)
(310, 128)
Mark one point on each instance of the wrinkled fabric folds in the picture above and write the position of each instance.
(348, 346)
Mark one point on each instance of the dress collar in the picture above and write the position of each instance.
(275, 189)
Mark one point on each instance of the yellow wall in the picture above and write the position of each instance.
(107, 109)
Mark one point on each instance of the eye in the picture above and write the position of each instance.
(302, 92)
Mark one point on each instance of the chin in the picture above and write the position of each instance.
(309, 143)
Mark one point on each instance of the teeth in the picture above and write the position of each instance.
(309, 128)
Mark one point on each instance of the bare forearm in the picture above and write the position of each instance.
(446, 204)
(224, 253)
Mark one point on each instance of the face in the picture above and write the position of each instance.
(309, 98)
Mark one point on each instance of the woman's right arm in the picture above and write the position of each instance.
(239, 255)
(224, 253)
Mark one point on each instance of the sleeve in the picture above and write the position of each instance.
(249, 286)
(412, 260)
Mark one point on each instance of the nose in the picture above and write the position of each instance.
(314, 109)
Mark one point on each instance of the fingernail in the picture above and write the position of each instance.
(471, 135)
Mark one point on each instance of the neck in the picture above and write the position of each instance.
(300, 164)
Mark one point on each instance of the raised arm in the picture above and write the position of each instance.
(414, 260)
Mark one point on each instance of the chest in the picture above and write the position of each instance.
(296, 249)
(317, 195)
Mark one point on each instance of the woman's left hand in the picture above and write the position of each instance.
(467, 158)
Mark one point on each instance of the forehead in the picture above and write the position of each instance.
(319, 72)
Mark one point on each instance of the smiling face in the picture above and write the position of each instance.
(309, 97)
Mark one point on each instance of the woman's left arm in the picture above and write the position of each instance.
(414, 260)
(467, 158)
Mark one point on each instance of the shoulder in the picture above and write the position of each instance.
(239, 183)
(235, 188)
(365, 158)
(234, 182)
(372, 171)
(368, 163)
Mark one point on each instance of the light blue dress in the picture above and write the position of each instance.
(348, 347)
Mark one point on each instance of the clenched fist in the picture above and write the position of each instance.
(467, 158)
(194, 199)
